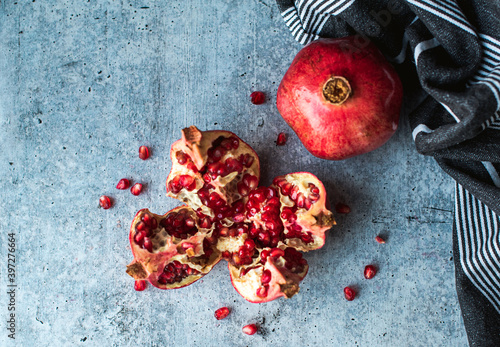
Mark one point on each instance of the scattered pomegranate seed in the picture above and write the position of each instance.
(123, 184)
(140, 285)
(370, 271)
(342, 208)
(250, 329)
(136, 189)
(143, 152)
(222, 313)
(105, 202)
(349, 293)
(379, 239)
(258, 98)
(281, 139)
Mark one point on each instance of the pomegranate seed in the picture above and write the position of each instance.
(105, 202)
(139, 236)
(307, 204)
(143, 152)
(277, 252)
(186, 181)
(257, 98)
(136, 189)
(235, 143)
(266, 276)
(148, 244)
(148, 221)
(262, 292)
(123, 184)
(191, 166)
(370, 271)
(342, 208)
(294, 194)
(222, 313)
(181, 157)
(249, 329)
(281, 139)
(141, 226)
(140, 285)
(379, 239)
(249, 244)
(349, 293)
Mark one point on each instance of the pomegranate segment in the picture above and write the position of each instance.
(276, 273)
(210, 162)
(168, 250)
(305, 216)
(260, 231)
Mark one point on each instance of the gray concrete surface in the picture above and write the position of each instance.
(84, 83)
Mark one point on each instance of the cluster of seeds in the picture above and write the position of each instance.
(175, 272)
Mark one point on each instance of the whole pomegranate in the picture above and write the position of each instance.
(260, 231)
(340, 99)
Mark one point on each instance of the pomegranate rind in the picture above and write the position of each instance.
(149, 265)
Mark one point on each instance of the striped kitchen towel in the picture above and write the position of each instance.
(451, 49)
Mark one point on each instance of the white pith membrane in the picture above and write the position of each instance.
(229, 236)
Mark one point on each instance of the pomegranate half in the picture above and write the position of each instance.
(260, 231)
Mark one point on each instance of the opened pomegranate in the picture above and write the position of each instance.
(260, 231)
(340, 99)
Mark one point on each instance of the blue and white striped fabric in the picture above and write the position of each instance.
(452, 47)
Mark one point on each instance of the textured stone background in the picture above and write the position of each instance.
(84, 83)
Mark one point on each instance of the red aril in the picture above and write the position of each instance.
(249, 329)
(379, 239)
(342, 208)
(370, 271)
(257, 98)
(105, 202)
(281, 141)
(349, 293)
(140, 285)
(222, 313)
(143, 152)
(123, 184)
(136, 189)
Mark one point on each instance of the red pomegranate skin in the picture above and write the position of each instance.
(364, 121)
